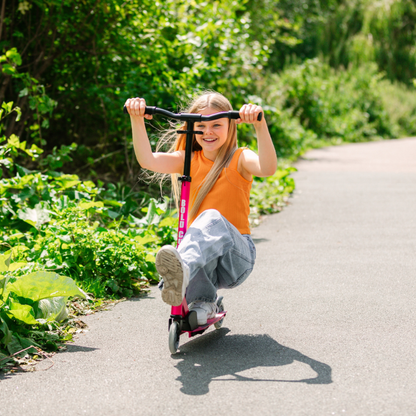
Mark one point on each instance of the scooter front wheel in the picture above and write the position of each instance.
(174, 333)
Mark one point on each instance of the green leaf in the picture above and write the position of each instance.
(168, 222)
(5, 261)
(13, 140)
(23, 92)
(43, 285)
(23, 313)
(149, 238)
(112, 214)
(35, 217)
(8, 69)
(88, 205)
(113, 203)
(17, 265)
(52, 309)
(7, 335)
(14, 56)
(26, 343)
(4, 359)
(7, 106)
(14, 345)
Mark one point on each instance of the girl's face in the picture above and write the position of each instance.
(214, 135)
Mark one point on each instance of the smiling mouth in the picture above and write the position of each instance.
(209, 140)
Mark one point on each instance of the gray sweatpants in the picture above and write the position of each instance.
(218, 256)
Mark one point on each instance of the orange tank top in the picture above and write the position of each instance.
(230, 194)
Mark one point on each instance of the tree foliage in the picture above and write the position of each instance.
(90, 56)
(346, 32)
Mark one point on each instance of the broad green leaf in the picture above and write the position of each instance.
(36, 216)
(14, 345)
(26, 343)
(43, 285)
(23, 313)
(17, 265)
(52, 309)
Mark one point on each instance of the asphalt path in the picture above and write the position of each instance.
(325, 325)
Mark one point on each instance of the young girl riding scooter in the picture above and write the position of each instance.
(217, 251)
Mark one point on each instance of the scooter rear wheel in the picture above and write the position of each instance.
(174, 337)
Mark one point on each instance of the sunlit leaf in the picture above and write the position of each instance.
(36, 216)
(43, 285)
(23, 313)
(5, 261)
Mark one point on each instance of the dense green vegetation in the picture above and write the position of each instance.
(325, 72)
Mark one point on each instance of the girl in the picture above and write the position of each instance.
(217, 250)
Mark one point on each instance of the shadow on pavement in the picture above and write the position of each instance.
(214, 356)
(77, 348)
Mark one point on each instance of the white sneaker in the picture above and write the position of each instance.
(175, 275)
(204, 311)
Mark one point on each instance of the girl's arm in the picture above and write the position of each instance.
(156, 162)
(265, 163)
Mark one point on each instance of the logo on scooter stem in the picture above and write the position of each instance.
(182, 221)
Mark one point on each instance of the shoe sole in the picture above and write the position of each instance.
(169, 266)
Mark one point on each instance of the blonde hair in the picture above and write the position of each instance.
(215, 101)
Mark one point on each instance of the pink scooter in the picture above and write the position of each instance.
(182, 320)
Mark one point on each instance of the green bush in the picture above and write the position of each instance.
(105, 261)
(344, 105)
(400, 103)
(27, 303)
(270, 195)
(57, 222)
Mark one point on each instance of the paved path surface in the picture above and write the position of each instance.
(324, 326)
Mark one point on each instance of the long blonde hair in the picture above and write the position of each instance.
(216, 101)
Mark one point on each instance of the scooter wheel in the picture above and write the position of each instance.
(174, 337)
(218, 324)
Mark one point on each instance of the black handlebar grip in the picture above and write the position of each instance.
(149, 110)
(234, 115)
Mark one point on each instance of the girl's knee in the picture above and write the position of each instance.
(207, 218)
(210, 213)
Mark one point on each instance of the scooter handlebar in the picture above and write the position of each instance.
(233, 115)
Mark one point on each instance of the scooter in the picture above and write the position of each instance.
(182, 320)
